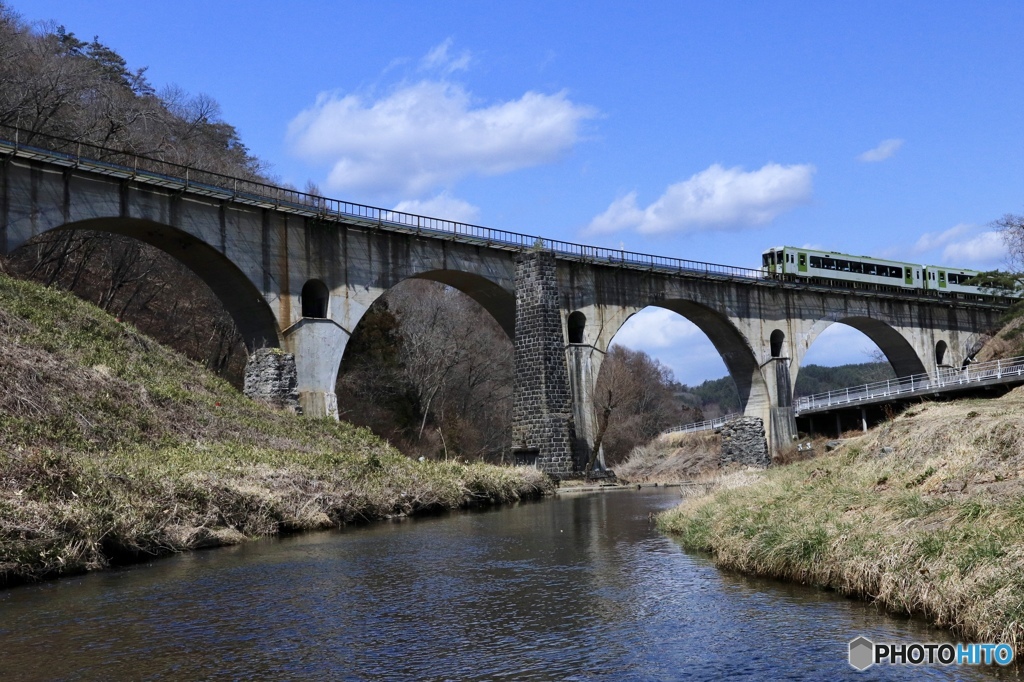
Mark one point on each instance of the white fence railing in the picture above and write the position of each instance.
(947, 379)
(706, 425)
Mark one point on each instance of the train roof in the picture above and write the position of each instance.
(837, 254)
(959, 271)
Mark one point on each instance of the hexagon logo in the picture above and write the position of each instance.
(862, 653)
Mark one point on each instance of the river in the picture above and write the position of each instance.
(580, 587)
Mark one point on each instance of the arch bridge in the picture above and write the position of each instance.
(299, 271)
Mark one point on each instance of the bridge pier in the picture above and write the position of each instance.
(543, 430)
(318, 345)
(584, 365)
(782, 418)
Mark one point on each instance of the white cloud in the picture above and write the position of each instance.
(963, 245)
(883, 151)
(675, 342)
(442, 206)
(653, 328)
(985, 251)
(429, 134)
(840, 344)
(936, 240)
(715, 198)
(438, 59)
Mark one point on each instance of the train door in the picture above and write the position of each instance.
(908, 275)
(801, 262)
(942, 279)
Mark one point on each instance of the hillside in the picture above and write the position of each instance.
(923, 515)
(113, 447)
(718, 396)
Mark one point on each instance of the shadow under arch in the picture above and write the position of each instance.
(731, 345)
(897, 350)
(245, 303)
(494, 298)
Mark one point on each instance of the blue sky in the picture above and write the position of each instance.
(707, 131)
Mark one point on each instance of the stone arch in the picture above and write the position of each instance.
(494, 298)
(245, 303)
(734, 349)
(315, 299)
(897, 349)
(941, 348)
(576, 325)
(778, 338)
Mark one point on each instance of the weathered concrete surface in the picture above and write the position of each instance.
(258, 258)
(584, 363)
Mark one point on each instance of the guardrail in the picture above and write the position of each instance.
(706, 425)
(169, 174)
(947, 379)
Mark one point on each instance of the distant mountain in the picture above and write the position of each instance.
(716, 397)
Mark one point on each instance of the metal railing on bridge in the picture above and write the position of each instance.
(170, 174)
(706, 425)
(1010, 370)
(173, 175)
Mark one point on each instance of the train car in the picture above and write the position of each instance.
(946, 280)
(823, 267)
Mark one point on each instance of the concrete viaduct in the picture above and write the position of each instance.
(299, 272)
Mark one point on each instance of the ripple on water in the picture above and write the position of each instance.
(578, 588)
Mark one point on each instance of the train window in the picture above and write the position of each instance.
(857, 267)
(764, 260)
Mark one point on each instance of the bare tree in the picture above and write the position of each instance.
(635, 400)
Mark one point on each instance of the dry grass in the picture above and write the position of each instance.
(672, 458)
(924, 515)
(112, 447)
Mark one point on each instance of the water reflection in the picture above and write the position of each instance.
(577, 588)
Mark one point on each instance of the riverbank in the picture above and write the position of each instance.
(114, 448)
(923, 515)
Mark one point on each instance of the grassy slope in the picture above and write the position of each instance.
(112, 446)
(925, 514)
(672, 458)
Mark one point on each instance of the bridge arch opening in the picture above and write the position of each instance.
(853, 351)
(702, 369)
(940, 353)
(315, 298)
(778, 338)
(170, 284)
(430, 368)
(576, 325)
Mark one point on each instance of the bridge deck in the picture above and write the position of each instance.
(167, 175)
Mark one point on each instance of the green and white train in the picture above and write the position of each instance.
(864, 272)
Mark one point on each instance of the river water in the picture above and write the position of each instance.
(576, 588)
